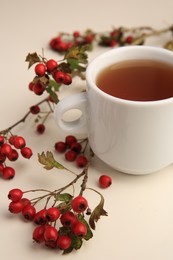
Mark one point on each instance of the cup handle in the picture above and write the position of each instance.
(76, 101)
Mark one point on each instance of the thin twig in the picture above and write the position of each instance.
(22, 120)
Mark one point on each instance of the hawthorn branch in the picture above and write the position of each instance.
(23, 119)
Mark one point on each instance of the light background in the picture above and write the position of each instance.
(139, 225)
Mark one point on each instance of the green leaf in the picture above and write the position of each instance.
(48, 161)
(64, 197)
(76, 242)
(52, 94)
(97, 213)
(32, 58)
(78, 53)
(74, 64)
(52, 83)
(68, 250)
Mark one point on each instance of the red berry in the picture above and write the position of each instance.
(70, 156)
(31, 86)
(51, 65)
(29, 212)
(38, 89)
(40, 69)
(1, 168)
(67, 79)
(26, 152)
(41, 128)
(15, 207)
(38, 234)
(40, 217)
(54, 43)
(105, 181)
(51, 244)
(1, 140)
(70, 139)
(15, 194)
(68, 219)
(114, 33)
(79, 204)
(50, 234)
(88, 38)
(79, 229)
(60, 147)
(113, 43)
(64, 242)
(11, 139)
(52, 214)
(76, 34)
(19, 142)
(13, 156)
(81, 161)
(69, 45)
(62, 46)
(76, 147)
(59, 76)
(2, 157)
(78, 42)
(25, 202)
(8, 173)
(129, 39)
(35, 109)
(6, 149)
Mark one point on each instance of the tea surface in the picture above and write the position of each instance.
(137, 80)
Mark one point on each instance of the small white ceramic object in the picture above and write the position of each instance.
(131, 136)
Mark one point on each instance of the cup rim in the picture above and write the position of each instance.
(99, 58)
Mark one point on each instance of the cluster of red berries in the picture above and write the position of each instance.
(9, 150)
(56, 228)
(73, 150)
(63, 42)
(46, 69)
(115, 37)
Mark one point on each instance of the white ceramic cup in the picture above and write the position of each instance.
(131, 136)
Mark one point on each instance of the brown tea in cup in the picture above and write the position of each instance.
(137, 80)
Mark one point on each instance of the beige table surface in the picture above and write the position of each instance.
(139, 225)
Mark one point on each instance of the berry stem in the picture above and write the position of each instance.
(88, 188)
(36, 190)
(14, 125)
(57, 192)
(37, 199)
(22, 120)
(152, 31)
(78, 176)
(46, 116)
(84, 182)
(86, 144)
